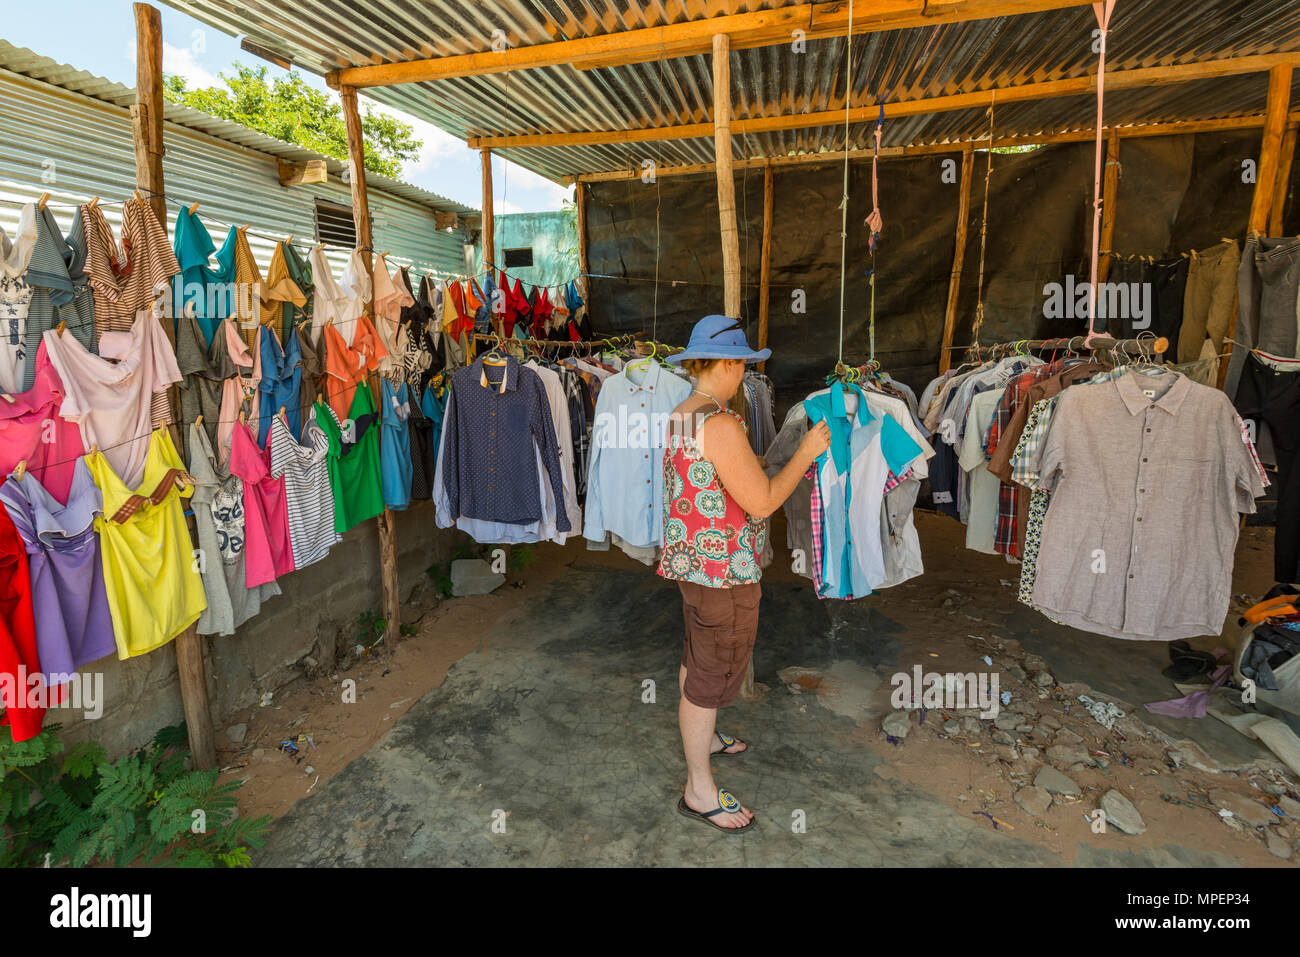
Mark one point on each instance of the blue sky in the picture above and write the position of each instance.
(99, 36)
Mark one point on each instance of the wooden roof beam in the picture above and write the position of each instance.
(927, 149)
(755, 29)
(1115, 80)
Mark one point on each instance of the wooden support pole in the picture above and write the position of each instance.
(765, 261)
(1283, 181)
(147, 134)
(1279, 94)
(365, 242)
(1109, 205)
(958, 258)
(726, 181)
(580, 201)
(489, 227)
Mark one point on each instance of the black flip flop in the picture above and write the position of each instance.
(727, 742)
(1188, 663)
(727, 803)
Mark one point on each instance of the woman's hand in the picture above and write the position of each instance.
(817, 441)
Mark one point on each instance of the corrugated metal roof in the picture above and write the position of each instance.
(27, 63)
(325, 35)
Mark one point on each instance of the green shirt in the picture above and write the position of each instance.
(353, 460)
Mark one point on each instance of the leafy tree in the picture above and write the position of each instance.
(290, 110)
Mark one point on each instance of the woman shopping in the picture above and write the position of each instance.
(716, 502)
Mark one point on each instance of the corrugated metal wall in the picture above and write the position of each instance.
(76, 147)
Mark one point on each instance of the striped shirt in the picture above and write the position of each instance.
(124, 285)
(305, 467)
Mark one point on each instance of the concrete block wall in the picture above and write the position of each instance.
(316, 606)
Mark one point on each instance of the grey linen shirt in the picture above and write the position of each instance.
(1148, 475)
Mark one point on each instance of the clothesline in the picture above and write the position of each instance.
(1154, 344)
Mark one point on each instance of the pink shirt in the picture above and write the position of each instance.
(267, 550)
(111, 402)
(236, 388)
(32, 430)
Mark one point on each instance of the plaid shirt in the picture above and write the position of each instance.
(1005, 525)
(816, 514)
(1024, 462)
(579, 401)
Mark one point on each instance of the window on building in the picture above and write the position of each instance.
(334, 225)
(517, 258)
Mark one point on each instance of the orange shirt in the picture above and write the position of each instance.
(347, 366)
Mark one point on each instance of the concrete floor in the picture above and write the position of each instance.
(546, 723)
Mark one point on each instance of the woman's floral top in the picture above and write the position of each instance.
(708, 537)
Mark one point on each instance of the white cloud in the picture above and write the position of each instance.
(181, 62)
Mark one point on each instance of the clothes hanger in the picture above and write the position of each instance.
(40, 203)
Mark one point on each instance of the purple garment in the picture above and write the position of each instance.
(73, 624)
(1196, 704)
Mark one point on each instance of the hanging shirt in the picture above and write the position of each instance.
(154, 589)
(205, 370)
(207, 291)
(304, 466)
(110, 402)
(70, 606)
(32, 430)
(497, 419)
(283, 299)
(865, 447)
(124, 285)
(391, 297)
(423, 453)
(267, 553)
(281, 381)
(218, 504)
(625, 480)
(559, 407)
(983, 484)
(18, 649)
(61, 290)
(332, 301)
(1148, 476)
(353, 461)
(347, 366)
(15, 299)
(395, 445)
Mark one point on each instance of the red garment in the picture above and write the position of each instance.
(267, 550)
(510, 313)
(522, 309)
(542, 311)
(31, 429)
(17, 635)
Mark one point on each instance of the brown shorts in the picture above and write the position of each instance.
(721, 624)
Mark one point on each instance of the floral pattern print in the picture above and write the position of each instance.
(708, 537)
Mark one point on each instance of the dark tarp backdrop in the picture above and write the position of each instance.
(1176, 193)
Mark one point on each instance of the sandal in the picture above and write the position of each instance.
(726, 803)
(727, 741)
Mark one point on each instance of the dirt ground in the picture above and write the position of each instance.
(961, 610)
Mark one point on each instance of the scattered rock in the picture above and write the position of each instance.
(1017, 672)
(1024, 728)
(1001, 737)
(1290, 807)
(309, 770)
(1033, 800)
(1007, 753)
(237, 732)
(1121, 814)
(1006, 722)
(1028, 751)
(952, 728)
(970, 725)
(1035, 663)
(1067, 736)
(1248, 811)
(1068, 754)
(1052, 780)
(1050, 723)
(1278, 847)
(474, 576)
(896, 724)
(1044, 679)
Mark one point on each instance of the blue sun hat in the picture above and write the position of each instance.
(719, 337)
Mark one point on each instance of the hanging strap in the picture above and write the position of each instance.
(1102, 11)
(133, 504)
(984, 233)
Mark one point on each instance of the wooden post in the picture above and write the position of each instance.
(1110, 204)
(1283, 181)
(765, 261)
(580, 201)
(489, 234)
(365, 242)
(726, 182)
(147, 133)
(958, 258)
(1261, 204)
